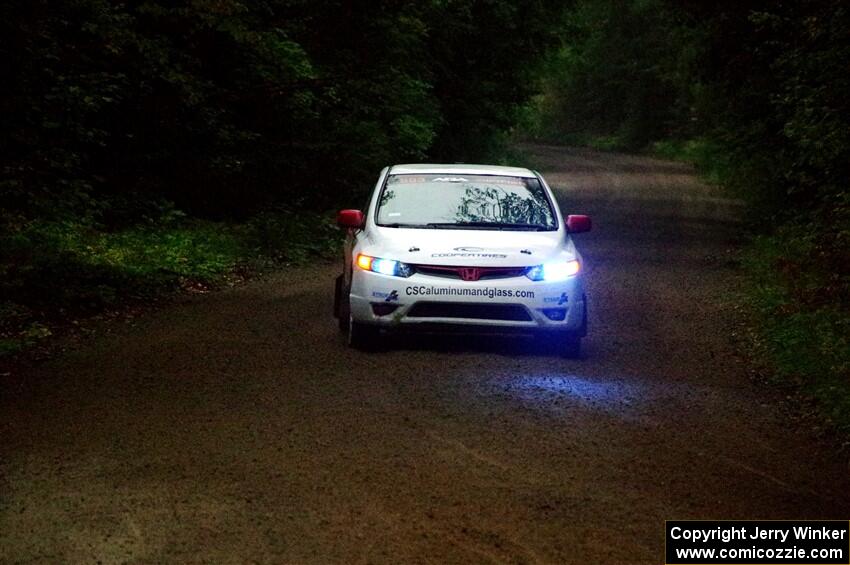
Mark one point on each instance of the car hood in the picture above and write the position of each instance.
(508, 248)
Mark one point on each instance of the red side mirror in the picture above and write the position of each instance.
(578, 223)
(353, 219)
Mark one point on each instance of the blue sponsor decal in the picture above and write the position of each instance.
(387, 296)
(559, 300)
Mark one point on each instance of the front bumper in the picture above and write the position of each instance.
(424, 302)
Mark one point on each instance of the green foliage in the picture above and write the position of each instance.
(804, 329)
(292, 236)
(483, 58)
(75, 269)
(621, 76)
(774, 99)
(761, 87)
(707, 156)
(227, 108)
(25, 338)
(69, 265)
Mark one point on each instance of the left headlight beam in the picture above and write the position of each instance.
(383, 266)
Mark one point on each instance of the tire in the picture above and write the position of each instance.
(337, 293)
(565, 344)
(364, 337)
(570, 343)
(583, 330)
(570, 346)
(342, 307)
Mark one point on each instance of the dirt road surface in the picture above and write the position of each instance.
(237, 427)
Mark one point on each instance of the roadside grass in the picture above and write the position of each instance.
(514, 155)
(707, 157)
(592, 141)
(794, 291)
(54, 271)
(803, 330)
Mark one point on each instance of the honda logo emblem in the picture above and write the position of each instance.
(470, 274)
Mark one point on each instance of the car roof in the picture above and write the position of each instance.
(460, 168)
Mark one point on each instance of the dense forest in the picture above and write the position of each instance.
(223, 107)
(152, 144)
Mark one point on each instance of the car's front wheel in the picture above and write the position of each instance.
(570, 346)
(342, 306)
(570, 343)
(566, 344)
(362, 336)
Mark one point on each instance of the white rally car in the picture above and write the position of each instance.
(469, 247)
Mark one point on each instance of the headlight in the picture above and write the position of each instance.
(555, 271)
(384, 266)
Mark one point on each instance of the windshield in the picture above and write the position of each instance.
(465, 201)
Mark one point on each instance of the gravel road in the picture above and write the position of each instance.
(237, 427)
